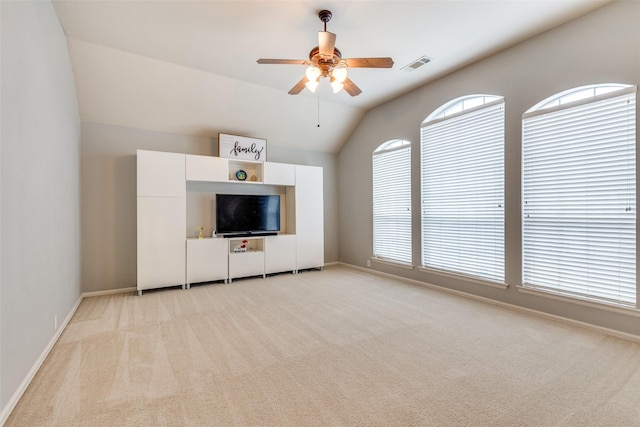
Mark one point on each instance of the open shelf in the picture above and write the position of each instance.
(253, 171)
(240, 245)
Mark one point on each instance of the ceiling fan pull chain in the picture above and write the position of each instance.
(318, 108)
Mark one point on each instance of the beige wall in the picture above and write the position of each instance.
(40, 211)
(600, 47)
(108, 196)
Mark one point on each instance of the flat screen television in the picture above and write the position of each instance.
(240, 215)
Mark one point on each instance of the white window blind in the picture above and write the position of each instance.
(392, 203)
(462, 171)
(579, 203)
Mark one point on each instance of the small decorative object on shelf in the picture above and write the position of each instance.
(241, 247)
(241, 175)
(200, 230)
(253, 178)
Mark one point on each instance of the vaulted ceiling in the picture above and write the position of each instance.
(189, 67)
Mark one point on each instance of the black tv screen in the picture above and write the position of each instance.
(243, 214)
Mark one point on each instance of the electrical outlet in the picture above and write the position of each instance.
(368, 263)
(55, 322)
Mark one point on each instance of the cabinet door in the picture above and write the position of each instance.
(309, 217)
(207, 168)
(161, 244)
(309, 234)
(279, 174)
(279, 253)
(160, 174)
(308, 183)
(246, 264)
(207, 260)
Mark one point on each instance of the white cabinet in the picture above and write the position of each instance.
(218, 169)
(309, 217)
(161, 248)
(246, 257)
(310, 235)
(207, 260)
(161, 218)
(280, 253)
(206, 168)
(160, 174)
(279, 174)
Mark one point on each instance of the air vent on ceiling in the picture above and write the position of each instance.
(416, 64)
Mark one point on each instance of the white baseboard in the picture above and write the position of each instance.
(573, 322)
(109, 292)
(11, 404)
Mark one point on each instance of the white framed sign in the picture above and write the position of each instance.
(242, 147)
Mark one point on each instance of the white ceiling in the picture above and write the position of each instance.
(189, 67)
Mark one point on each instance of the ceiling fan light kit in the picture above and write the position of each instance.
(325, 60)
(336, 75)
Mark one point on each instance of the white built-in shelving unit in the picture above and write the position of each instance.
(167, 256)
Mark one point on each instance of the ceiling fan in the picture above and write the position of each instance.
(325, 60)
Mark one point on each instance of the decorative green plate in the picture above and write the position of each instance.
(241, 175)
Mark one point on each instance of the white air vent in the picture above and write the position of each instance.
(417, 63)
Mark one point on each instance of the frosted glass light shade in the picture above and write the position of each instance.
(313, 73)
(340, 74)
(312, 85)
(336, 85)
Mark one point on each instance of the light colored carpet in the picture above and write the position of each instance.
(337, 347)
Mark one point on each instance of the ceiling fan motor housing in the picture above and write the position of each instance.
(325, 64)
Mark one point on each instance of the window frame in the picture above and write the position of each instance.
(392, 240)
(485, 270)
(550, 107)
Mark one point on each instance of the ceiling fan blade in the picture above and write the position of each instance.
(326, 43)
(298, 87)
(368, 62)
(283, 61)
(351, 88)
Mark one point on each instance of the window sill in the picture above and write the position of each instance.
(462, 277)
(392, 263)
(559, 296)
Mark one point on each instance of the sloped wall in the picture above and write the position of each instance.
(600, 47)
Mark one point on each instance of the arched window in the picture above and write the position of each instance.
(392, 201)
(462, 177)
(464, 103)
(579, 194)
